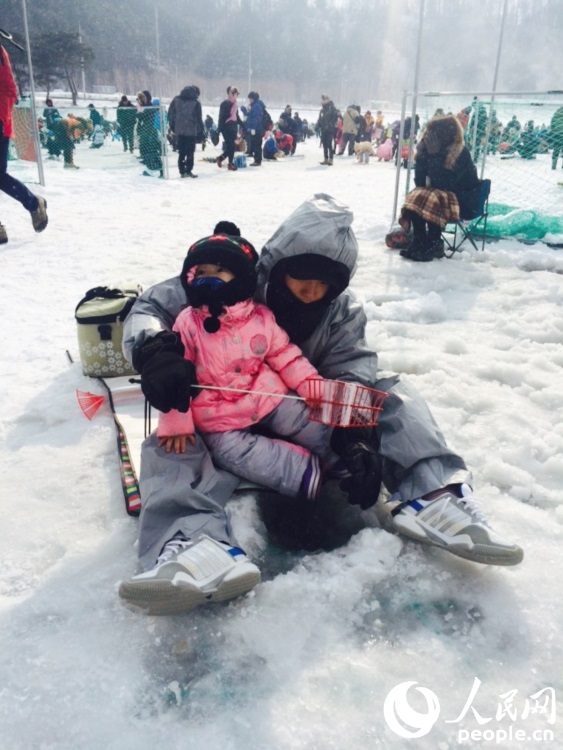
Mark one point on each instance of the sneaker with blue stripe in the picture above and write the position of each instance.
(189, 573)
(452, 518)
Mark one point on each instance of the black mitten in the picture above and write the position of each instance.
(166, 381)
(353, 445)
(166, 377)
(163, 341)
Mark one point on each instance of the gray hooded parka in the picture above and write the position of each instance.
(186, 493)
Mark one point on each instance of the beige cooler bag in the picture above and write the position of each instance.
(100, 315)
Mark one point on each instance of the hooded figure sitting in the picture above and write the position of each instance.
(447, 188)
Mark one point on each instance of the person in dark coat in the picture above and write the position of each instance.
(361, 122)
(94, 115)
(298, 127)
(126, 119)
(556, 136)
(255, 127)
(447, 188)
(326, 125)
(50, 113)
(288, 125)
(186, 123)
(228, 125)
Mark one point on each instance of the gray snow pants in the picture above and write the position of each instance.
(187, 493)
(277, 464)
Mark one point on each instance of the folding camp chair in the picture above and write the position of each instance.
(472, 230)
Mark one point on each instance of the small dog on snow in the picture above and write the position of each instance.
(363, 151)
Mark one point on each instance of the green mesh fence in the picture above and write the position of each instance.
(116, 138)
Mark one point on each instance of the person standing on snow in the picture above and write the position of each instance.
(35, 204)
(288, 126)
(50, 113)
(186, 123)
(556, 136)
(326, 125)
(126, 118)
(430, 496)
(255, 127)
(149, 140)
(228, 124)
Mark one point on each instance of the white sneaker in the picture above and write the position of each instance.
(454, 521)
(189, 573)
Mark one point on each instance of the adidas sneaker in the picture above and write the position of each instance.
(189, 573)
(452, 519)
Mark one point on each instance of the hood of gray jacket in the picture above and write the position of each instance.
(321, 225)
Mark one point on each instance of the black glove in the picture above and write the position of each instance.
(166, 381)
(163, 341)
(166, 377)
(353, 445)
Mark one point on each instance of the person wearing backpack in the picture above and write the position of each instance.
(255, 127)
(185, 121)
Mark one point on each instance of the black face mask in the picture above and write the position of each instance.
(298, 319)
(210, 291)
(218, 294)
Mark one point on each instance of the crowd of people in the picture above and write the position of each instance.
(485, 131)
(136, 125)
(248, 129)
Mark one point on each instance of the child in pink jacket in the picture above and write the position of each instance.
(235, 342)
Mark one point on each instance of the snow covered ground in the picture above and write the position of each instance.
(308, 659)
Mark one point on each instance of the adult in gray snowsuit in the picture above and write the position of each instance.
(186, 123)
(186, 547)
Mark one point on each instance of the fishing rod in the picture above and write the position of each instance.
(9, 38)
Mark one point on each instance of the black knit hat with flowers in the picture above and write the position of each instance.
(232, 253)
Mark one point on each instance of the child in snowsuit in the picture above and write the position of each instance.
(235, 343)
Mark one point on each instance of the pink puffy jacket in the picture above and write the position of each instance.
(250, 351)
